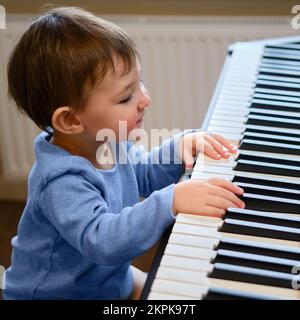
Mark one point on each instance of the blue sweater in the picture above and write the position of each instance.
(82, 226)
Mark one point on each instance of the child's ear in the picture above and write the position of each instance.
(65, 120)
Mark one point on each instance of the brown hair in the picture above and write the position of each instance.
(60, 53)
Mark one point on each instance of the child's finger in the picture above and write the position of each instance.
(210, 151)
(212, 211)
(228, 195)
(188, 159)
(219, 148)
(221, 202)
(226, 143)
(228, 185)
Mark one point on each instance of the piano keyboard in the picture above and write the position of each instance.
(251, 253)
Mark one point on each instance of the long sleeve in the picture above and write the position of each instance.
(160, 167)
(83, 218)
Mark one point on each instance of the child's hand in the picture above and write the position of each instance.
(211, 144)
(209, 198)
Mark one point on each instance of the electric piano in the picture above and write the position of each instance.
(251, 253)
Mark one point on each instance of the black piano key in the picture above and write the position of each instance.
(286, 134)
(288, 46)
(279, 122)
(276, 86)
(274, 115)
(252, 275)
(270, 105)
(280, 66)
(223, 294)
(272, 182)
(277, 62)
(287, 93)
(274, 97)
(272, 147)
(255, 261)
(278, 78)
(262, 248)
(278, 72)
(267, 168)
(271, 138)
(269, 159)
(260, 230)
(263, 203)
(264, 217)
(220, 293)
(282, 57)
(270, 191)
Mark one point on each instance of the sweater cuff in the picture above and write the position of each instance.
(167, 195)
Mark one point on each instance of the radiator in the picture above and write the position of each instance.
(181, 59)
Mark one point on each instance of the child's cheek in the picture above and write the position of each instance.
(131, 124)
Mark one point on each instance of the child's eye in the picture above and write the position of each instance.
(126, 100)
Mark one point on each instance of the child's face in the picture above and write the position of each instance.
(119, 97)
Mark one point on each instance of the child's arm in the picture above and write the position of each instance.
(160, 167)
(84, 219)
(176, 154)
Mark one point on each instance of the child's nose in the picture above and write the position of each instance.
(145, 98)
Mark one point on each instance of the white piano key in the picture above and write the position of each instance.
(210, 168)
(223, 123)
(231, 97)
(230, 136)
(192, 240)
(223, 117)
(237, 131)
(168, 296)
(195, 230)
(179, 288)
(186, 263)
(198, 220)
(190, 252)
(221, 110)
(181, 275)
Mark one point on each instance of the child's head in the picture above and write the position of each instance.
(70, 69)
